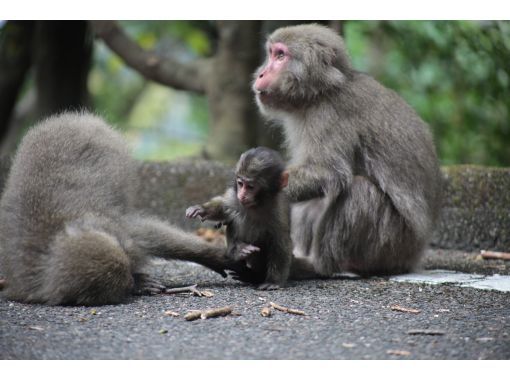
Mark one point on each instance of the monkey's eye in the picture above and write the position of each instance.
(239, 183)
(249, 186)
(280, 54)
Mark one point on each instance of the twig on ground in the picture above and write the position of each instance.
(398, 352)
(266, 311)
(404, 309)
(209, 313)
(488, 255)
(189, 289)
(286, 309)
(426, 332)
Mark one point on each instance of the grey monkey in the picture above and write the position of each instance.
(363, 173)
(68, 231)
(257, 215)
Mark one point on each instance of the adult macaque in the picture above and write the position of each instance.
(256, 213)
(363, 172)
(68, 230)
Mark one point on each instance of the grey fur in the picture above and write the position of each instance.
(259, 234)
(363, 165)
(68, 231)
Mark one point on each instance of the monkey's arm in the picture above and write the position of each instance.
(312, 181)
(218, 209)
(150, 236)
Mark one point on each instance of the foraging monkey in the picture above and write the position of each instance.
(68, 230)
(364, 176)
(257, 215)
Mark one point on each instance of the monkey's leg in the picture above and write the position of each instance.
(362, 232)
(86, 267)
(304, 218)
(302, 268)
(151, 236)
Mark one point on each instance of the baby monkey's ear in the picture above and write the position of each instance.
(284, 180)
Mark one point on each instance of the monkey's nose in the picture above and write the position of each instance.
(261, 75)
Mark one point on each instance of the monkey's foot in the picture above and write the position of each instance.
(145, 285)
(268, 286)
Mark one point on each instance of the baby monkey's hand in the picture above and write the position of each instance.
(196, 211)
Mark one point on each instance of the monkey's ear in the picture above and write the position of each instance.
(284, 180)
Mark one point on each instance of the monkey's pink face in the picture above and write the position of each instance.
(278, 58)
(246, 192)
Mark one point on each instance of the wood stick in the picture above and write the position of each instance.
(398, 352)
(192, 315)
(495, 255)
(404, 309)
(185, 289)
(266, 311)
(426, 332)
(219, 312)
(286, 309)
(209, 313)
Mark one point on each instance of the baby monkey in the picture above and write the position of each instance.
(257, 216)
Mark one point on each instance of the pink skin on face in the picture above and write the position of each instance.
(278, 57)
(245, 192)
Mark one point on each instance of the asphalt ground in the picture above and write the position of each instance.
(345, 319)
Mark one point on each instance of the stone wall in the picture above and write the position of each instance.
(476, 209)
(475, 213)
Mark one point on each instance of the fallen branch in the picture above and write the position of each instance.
(426, 332)
(189, 289)
(491, 255)
(286, 309)
(404, 309)
(209, 313)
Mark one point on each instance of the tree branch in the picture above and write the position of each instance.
(189, 76)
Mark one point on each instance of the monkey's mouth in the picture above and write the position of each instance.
(263, 95)
(249, 204)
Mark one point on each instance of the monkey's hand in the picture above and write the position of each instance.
(242, 271)
(196, 212)
(246, 250)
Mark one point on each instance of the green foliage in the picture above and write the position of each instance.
(456, 75)
(154, 117)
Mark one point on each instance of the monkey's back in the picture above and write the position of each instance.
(401, 153)
(66, 166)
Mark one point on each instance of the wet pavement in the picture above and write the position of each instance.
(437, 313)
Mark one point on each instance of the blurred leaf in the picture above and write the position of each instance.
(456, 75)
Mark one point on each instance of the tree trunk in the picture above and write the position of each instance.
(63, 59)
(234, 119)
(15, 60)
